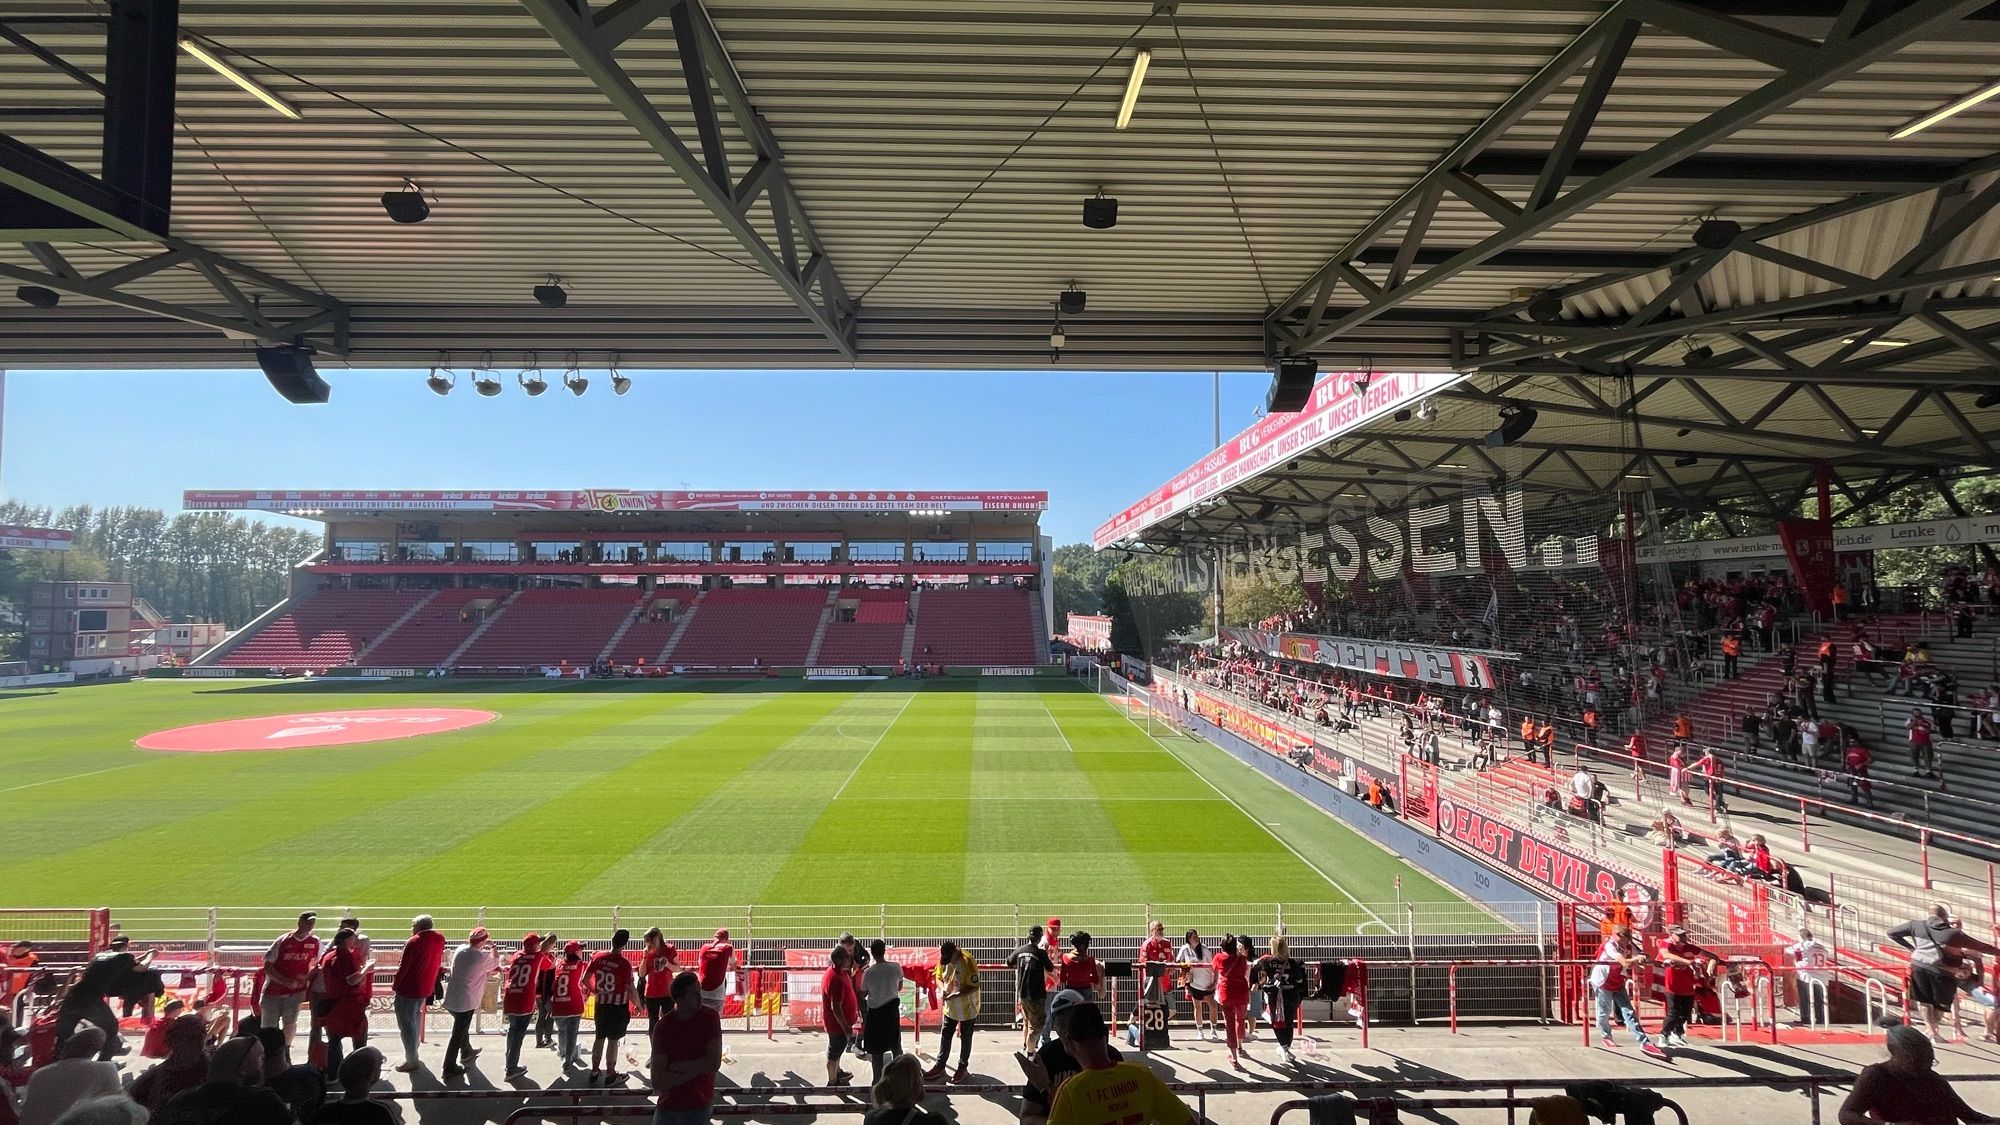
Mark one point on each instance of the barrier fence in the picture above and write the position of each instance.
(1418, 1097)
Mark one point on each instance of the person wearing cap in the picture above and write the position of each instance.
(471, 964)
(1681, 959)
(566, 1003)
(1615, 962)
(657, 965)
(288, 969)
(1105, 1090)
(610, 979)
(1051, 1064)
(416, 981)
(1907, 1089)
(517, 997)
(716, 959)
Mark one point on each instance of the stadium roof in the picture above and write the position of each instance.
(898, 183)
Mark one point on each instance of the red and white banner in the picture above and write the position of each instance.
(319, 502)
(1809, 548)
(1459, 667)
(1090, 632)
(35, 539)
(1334, 409)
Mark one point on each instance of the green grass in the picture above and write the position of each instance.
(951, 803)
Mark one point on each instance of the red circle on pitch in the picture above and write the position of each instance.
(332, 727)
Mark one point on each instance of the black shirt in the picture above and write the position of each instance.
(352, 1113)
(1031, 971)
(1055, 1058)
(224, 1103)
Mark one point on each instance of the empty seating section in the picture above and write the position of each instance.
(875, 636)
(552, 625)
(435, 632)
(975, 625)
(323, 630)
(737, 626)
(647, 638)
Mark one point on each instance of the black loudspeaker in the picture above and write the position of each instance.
(1116, 969)
(289, 367)
(1291, 387)
(1513, 428)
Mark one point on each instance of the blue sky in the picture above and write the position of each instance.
(1096, 441)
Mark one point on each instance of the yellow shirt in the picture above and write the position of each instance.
(961, 976)
(1123, 1093)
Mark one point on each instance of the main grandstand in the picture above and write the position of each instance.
(641, 582)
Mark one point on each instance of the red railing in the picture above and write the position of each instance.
(1642, 768)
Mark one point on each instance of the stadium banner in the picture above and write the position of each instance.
(1551, 867)
(1546, 867)
(805, 967)
(386, 673)
(322, 501)
(1875, 537)
(1456, 667)
(1090, 632)
(1007, 671)
(854, 673)
(210, 673)
(1337, 406)
(35, 538)
(1809, 548)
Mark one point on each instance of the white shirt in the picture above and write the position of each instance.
(882, 983)
(61, 1085)
(1201, 972)
(1812, 958)
(1583, 785)
(470, 966)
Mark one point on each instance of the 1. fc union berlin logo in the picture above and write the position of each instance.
(338, 727)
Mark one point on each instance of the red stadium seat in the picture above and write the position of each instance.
(975, 625)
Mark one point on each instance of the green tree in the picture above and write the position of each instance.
(1259, 595)
(1079, 574)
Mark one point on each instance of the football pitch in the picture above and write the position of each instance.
(970, 797)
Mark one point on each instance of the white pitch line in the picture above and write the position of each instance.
(871, 746)
(1282, 842)
(71, 777)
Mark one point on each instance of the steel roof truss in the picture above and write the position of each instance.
(1804, 69)
(705, 65)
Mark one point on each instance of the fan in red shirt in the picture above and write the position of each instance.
(716, 959)
(838, 1009)
(687, 1054)
(1079, 969)
(517, 997)
(1683, 962)
(288, 966)
(344, 975)
(658, 963)
(1232, 994)
(1156, 955)
(416, 982)
(610, 980)
(566, 1002)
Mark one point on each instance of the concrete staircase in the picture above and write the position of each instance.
(1041, 626)
(680, 630)
(361, 658)
(825, 619)
(611, 645)
(474, 636)
(910, 630)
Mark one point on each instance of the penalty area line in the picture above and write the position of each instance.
(71, 777)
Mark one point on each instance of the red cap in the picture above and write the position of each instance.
(1055, 923)
(531, 941)
(572, 947)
